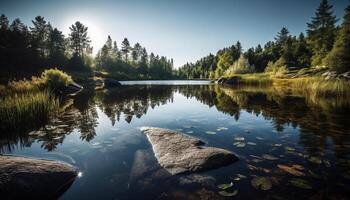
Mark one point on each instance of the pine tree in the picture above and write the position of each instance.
(79, 40)
(125, 48)
(339, 57)
(321, 32)
(40, 35)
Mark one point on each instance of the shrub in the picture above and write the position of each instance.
(279, 68)
(55, 78)
(241, 66)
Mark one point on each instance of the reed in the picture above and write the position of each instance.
(27, 110)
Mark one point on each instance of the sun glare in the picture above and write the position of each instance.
(95, 32)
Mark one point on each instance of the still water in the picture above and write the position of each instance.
(290, 146)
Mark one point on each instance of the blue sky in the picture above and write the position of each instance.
(185, 30)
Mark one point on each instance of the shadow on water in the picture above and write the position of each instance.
(321, 122)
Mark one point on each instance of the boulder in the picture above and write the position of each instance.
(228, 81)
(29, 178)
(181, 153)
(72, 88)
(108, 83)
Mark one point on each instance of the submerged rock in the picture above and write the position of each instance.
(32, 178)
(180, 153)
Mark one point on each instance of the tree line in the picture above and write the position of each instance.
(28, 50)
(324, 45)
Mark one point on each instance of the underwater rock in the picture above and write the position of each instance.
(180, 153)
(29, 178)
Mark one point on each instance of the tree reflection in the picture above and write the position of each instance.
(319, 120)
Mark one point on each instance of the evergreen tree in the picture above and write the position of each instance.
(40, 35)
(57, 47)
(321, 32)
(339, 57)
(79, 40)
(125, 49)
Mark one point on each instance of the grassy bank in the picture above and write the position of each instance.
(315, 86)
(28, 104)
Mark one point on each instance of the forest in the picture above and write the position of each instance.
(325, 45)
(42, 46)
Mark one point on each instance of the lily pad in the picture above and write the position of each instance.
(315, 160)
(251, 143)
(239, 144)
(261, 183)
(210, 132)
(225, 186)
(289, 149)
(228, 194)
(269, 157)
(239, 138)
(300, 183)
(291, 170)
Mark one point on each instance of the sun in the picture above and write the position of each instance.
(95, 32)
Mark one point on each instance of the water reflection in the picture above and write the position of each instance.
(97, 133)
(317, 119)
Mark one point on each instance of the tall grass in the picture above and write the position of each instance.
(318, 86)
(27, 110)
(28, 104)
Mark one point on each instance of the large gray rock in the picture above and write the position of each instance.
(34, 179)
(180, 153)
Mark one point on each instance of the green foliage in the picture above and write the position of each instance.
(55, 78)
(224, 62)
(49, 79)
(24, 111)
(339, 58)
(141, 66)
(278, 68)
(321, 32)
(241, 66)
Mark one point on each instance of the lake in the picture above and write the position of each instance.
(290, 146)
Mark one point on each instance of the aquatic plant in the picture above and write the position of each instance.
(23, 111)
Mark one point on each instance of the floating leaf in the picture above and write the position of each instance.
(228, 194)
(241, 176)
(291, 170)
(289, 149)
(225, 186)
(239, 138)
(300, 183)
(269, 157)
(326, 163)
(298, 167)
(315, 160)
(256, 160)
(254, 156)
(261, 183)
(210, 132)
(251, 143)
(239, 144)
